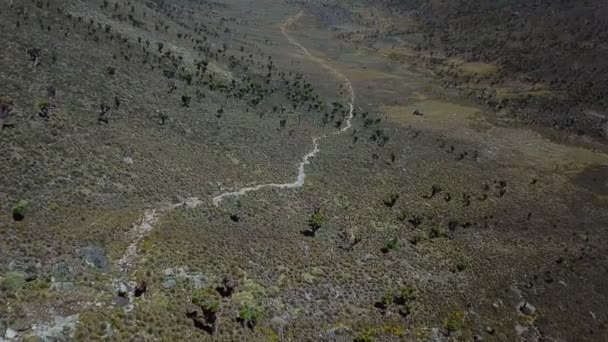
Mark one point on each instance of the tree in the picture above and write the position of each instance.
(172, 86)
(315, 222)
(6, 109)
(186, 100)
(103, 115)
(44, 108)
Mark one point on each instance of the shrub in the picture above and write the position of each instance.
(367, 334)
(207, 299)
(12, 282)
(186, 101)
(390, 245)
(249, 315)
(454, 322)
(407, 294)
(315, 221)
(391, 199)
(209, 302)
(44, 108)
(6, 108)
(19, 210)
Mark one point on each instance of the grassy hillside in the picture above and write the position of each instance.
(438, 211)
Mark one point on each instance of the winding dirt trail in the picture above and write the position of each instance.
(145, 225)
(299, 182)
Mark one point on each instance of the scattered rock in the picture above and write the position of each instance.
(94, 256)
(169, 272)
(61, 329)
(497, 305)
(527, 308)
(10, 333)
(61, 270)
(490, 330)
(418, 113)
(122, 291)
(127, 160)
(123, 301)
(437, 336)
(169, 283)
(29, 270)
(278, 323)
(520, 329)
(63, 286)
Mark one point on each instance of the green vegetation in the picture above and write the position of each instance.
(249, 315)
(391, 199)
(12, 282)
(388, 298)
(197, 92)
(454, 322)
(407, 294)
(19, 210)
(44, 108)
(315, 222)
(390, 245)
(207, 299)
(367, 334)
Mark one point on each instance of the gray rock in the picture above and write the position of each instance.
(61, 329)
(127, 160)
(169, 272)
(169, 283)
(527, 308)
(94, 256)
(28, 269)
(62, 269)
(10, 333)
(63, 286)
(437, 336)
(279, 324)
(122, 290)
(21, 324)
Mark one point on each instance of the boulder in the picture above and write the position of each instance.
(94, 256)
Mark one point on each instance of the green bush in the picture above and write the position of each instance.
(454, 322)
(207, 299)
(390, 245)
(12, 281)
(391, 199)
(19, 210)
(407, 293)
(249, 315)
(316, 220)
